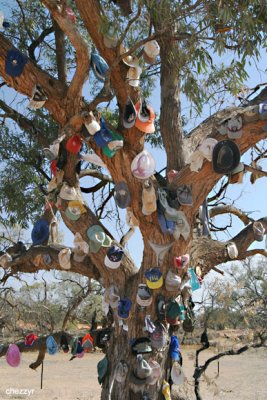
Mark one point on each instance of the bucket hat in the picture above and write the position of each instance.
(40, 232)
(225, 157)
(143, 165)
(13, 355)
(15, 63)
(97, 238)
(122, 194)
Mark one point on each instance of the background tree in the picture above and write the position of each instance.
(192, 35)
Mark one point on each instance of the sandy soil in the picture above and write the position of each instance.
(241, 377)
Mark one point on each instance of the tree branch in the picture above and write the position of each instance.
(60, 53)
(229, 209)
(35, 43)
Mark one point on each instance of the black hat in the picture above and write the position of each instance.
(225, 156)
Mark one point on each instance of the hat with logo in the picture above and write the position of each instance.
(64, 258)
(124, 308)
(177, 374)
(114, 257)
(145, 117)
(175, 348)
(142, 345)
(143, 165)
(13, 355)
(144, 295)
(30, 339)
(99, 66)
(97, 238)
(40, 232)
(15, 63)
(129, 115)
(225, 157)
(154, 278)
(122, 194)
(51, 345)
(121, 371)
(172, 282)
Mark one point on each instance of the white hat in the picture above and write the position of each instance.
(111, 296)
(92, 127)
(206, 148)
(69, 192)
(64, 258)
(5, 259)
(152, 49)
(232, 250)
(182, 226)
(172, 281)
(234, 127)
(177, 374)
(133, 76)
(196, 161)
(131, 61)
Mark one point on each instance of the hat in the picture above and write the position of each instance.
(166, 391)
(193, 279)
(232, 250)
(225, 157)
(102, 368)
(184, 195)
(143, 165)
(74, 144)
(5, 259)
(64, 343)
(149, 324)
(236, 175)
(79, 244)
(177, 374)
(122, 194)
(94, 159)
(142, 369)
(38, 98)
(159, 338)
(79, 350)
(149, 199)
(76, 206)
(68, 192)
(172, 282)
(131, 60)
(97, 238)
(175, 348)
(40, 232)
(144, 295)
(166, 225)
(121, 371)
(170, 213)
(206, 148)
(114, 257)
(234, 127)
(161, 307)
(133, 76)
(13, 355)
(173, 311)
(258, 230)
(51, 345)
(64, 258)
(103, 136)
(142, 345)
(70, 14)
(196, 161)
(181, 261)
(263, 107)
(124, 308)
(154, 278)
(145, 117)
(182, 227)
(115, 144)
(99, 67)
(111, 296)
(30, 339)
(102, 337)
(151, 50)
(155, 374)
(129, 115)
(15, 62)
(87, 343)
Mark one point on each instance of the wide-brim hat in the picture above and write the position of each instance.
(225, 157)
(40, 232)
(145, 126)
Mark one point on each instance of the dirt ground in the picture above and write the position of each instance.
(242, 377)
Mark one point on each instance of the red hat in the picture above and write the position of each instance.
(74, 144)
(87, 343)
(53, 167)
(29, 340)
(181, 261)
(148, 125)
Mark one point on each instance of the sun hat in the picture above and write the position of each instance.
(130, 114)
(175, 348)
(30, 339)
(225, 156)
(155, 374)
(258, 230)
(51, 345)
(172, 282)
(102, 369)
(74, 144)
(99, 66)
(121, 371)
(64, 343)
(40, 232)
(181, 261)
(154, 278)
(143, 165)
(97, 238)
(159, 338)
(5, 259)
(177, 374)
(15, 63)
(64, 258)
(166, 225)
(141, 345)
(124, 308)
(122, 194)
(145, 117)
(111, 296)
(114, 257)
(149, 198)
(231, 250)
(206, 148)
(133, 76)
(38, 98)
(144, 295)
(13, 355)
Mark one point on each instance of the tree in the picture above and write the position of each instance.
(60, 51)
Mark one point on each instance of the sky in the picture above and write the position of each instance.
(248, 197)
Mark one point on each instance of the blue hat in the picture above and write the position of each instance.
(40, 232)
(124, 308)
(15, 62)
(113, 257)
(154, 278)
(175, 348)
(104, 136)
(51, 345)
(99, 66)
(166, 225)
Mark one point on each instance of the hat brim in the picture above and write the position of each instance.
(155, 285)
(219, 169)
(111, 264)
(71, 215)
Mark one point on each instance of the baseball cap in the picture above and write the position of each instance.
(154, 278)
(175, 348)
(113, 257)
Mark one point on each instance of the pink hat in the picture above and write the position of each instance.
(13, 355)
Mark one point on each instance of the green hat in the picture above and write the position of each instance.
(106, 150)
(173, 310)
(102, 368)
(97, 238)
(71, 215)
